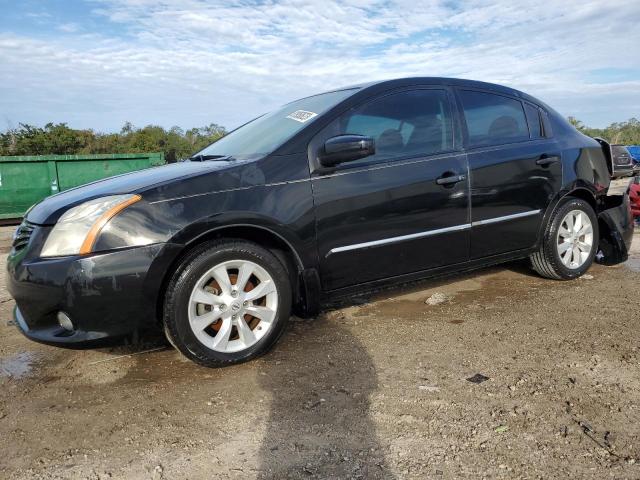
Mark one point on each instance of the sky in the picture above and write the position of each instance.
(100, 63)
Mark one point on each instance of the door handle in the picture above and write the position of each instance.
(546, 160)
(450, 179)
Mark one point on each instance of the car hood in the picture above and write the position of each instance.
(156, 182)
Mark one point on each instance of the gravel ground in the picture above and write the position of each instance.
(375, 389)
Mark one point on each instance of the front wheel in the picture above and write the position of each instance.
(570, 241)
(228, 302)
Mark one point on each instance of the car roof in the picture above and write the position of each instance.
(458, 82)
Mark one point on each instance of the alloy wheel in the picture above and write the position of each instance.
(575, 239)
(232, 306)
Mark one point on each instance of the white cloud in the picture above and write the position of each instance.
(191, 62)
(69, 27)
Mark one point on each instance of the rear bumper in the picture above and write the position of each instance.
(620, 171)
(106, 295)
(616, 230)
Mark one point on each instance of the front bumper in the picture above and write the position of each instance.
(105, 295)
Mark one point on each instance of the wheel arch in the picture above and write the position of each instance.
(304, 300)
(262, 235)
(582, 193)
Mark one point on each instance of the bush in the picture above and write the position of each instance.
(59, 139)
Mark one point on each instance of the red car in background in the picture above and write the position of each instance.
(634, 197)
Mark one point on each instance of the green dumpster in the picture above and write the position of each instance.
(25, 180)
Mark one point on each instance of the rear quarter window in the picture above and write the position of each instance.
(546, 125)
(493, 119)
(534, 121)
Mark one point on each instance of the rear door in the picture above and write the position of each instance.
(515, 171)
(388, 214)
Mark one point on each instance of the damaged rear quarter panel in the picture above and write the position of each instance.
(616, 230)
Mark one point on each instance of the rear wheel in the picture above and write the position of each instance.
(570, 242)
(228, 302)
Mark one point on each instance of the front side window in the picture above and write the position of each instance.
(493, 119)
(405, 124)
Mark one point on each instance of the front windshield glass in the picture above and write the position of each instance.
(266, 133)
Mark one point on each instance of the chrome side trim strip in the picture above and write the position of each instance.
(505, 218)
(401, 238)
(466, 226)
(286, 182)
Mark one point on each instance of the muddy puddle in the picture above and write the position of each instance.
(19, 365)
(633, 264)
(477, 290)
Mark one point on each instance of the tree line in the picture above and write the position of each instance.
(618, 133)
(176, 143)
(60, 139)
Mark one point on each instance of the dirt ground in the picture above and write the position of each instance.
(375, 389)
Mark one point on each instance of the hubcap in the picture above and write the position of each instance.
(232, 306)
(575, 239)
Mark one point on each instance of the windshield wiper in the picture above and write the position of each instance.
(202, 158)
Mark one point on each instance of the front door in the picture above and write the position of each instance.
(402, 210)
(516, 171)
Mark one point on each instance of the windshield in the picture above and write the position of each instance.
(266, 133)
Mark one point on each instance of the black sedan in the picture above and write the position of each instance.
(328, 195)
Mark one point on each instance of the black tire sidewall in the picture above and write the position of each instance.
(552, 235)
(176, 315)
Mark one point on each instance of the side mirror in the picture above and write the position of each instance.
(346, 148)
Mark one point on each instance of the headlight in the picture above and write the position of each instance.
(77, 230)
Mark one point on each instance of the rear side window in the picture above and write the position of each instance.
(533, 119)
(404, 124)
(493, 119)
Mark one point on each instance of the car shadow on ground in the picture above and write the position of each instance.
(318, 381)
(319, 423)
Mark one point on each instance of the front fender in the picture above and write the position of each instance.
(235, 221)
(284, 210)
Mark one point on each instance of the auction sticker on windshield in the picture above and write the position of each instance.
(301, 116)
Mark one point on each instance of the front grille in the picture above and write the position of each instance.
(22, 236)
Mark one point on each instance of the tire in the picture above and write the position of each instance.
(241, 327)
(548, 261)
